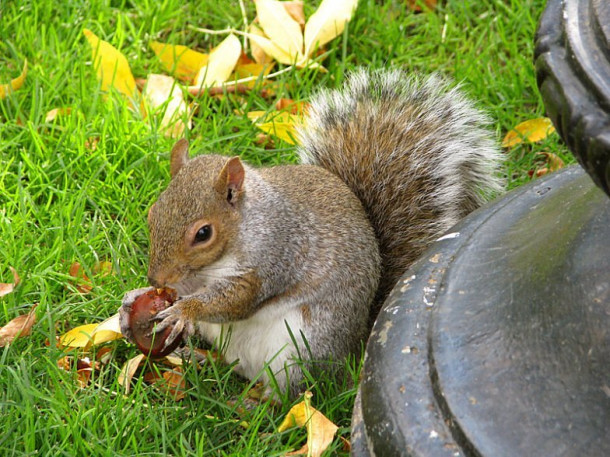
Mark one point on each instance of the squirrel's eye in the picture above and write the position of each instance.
(203, 234)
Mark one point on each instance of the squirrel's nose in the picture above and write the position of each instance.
(154, 282)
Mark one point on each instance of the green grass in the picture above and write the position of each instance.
(61, 202)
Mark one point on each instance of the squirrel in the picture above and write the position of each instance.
(293, 262)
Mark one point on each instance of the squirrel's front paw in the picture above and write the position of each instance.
(174, 317)
(125, 310)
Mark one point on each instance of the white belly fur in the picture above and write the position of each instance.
(260, 341)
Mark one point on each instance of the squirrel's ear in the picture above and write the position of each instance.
(230, 181)
(179, 156)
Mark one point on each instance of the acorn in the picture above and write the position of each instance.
(142, 322)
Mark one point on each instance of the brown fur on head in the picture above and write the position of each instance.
(194, 219)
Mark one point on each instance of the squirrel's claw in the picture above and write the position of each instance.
(172, 317)
(175, 333)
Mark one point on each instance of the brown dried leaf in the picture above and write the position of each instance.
(84, 368)
(259, 54)
(78, 273)
(553, 160)
(171, 382)
(17, 328)
(295, 10)
(84, 284)
(129, 370)
(91, 143)
(421, 5)
(7, 288)
(174, 383)
(292, 107)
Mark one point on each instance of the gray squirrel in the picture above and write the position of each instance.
(296, 260)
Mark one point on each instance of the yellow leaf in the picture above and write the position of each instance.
(162, 91)
(252, 69)
(128, 370)
(258, 53)
(16, 83)
(281, 28)
(270, 48)
(109, 330)
(183, 62)
(295, 9)
(320, 430)
(111, 66)
(282, 125)
(221, 62)
(327, 23)
(78, 337)
(532, 130)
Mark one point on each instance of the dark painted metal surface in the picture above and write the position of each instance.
(497, 342)
(573, 70)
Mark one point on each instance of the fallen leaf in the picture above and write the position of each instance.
(554, 161)
(129, 370)
(78, 337)
(221, 62)
(281, 125)
(112, 67)
(91, 143)
(78, 273)
(51, 115)
(532, 131)
(258, 53)
(101, 269)
(7, 288)
(290, 106)
(270, 48)
(421, 5)
(108, 330)
(327, 23)
(252, 69)
(182, 62)
(15, 83)
(163, 92)
(320, 430)
(84, 368)
(281, 28)
(104, 354)
(18, 327)
(295, 9)
(172, 382)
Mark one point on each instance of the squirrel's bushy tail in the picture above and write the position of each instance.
(416, 152)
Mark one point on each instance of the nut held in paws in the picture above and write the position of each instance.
(142, 320)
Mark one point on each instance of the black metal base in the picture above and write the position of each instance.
(573, 70)
(497, 341)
